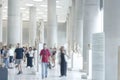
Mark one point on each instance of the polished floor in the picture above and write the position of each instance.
(28, 74)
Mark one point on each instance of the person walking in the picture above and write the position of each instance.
(19, 57)
(11, 55)
(30, 57)
(44, 54)
(53, 56)
(5, 57)
(63, 61)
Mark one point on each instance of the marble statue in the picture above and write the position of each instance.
(40, 31)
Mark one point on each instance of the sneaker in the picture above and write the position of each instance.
(21, 72)
(10, 67)
(61, 76)
(18, 73)
(42, 78)
(45, 76)
(16, 66)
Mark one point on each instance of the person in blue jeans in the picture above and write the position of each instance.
(45, 54)
(5, 57)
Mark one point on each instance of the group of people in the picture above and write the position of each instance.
(6, 56)
(10, 56)
(62, 58)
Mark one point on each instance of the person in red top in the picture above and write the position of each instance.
(44, 54)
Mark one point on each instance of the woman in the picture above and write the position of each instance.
(53, 56)
(5, 57)
(63, 61)
(30, 57)
(35, 56)
(26, 55)
(11, 55)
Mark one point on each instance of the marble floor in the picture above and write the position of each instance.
(53, 74)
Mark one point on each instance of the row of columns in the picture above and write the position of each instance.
(91, 26)
(14, 30)
(75, 28)
(15, 23)
(87, 23)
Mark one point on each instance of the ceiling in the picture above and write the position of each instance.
(62, 7)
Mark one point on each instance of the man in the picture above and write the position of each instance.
(18, 57)
(44, 54)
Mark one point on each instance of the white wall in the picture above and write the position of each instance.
(112, 38)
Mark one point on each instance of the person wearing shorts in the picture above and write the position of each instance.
(19, 57)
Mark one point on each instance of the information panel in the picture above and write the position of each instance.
(98, 55)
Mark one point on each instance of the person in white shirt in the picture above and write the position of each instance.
(11, 55)
(30, 57)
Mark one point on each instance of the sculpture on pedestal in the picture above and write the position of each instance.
(40, 31)
(78, 48)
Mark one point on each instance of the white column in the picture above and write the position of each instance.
(73, 24)
(91, 26)
(77, 33)
(41, 31)
(71, 35)
(33, 26)
(52, 24)
(21, 30)
(1, 28)
(67, 28)
(70, 30)
(79, 22)
(13, 22)
(112, 38)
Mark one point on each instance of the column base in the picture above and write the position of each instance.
(84, 76)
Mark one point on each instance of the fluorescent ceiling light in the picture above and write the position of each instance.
(37, 0)
(29, 4)
(6, 7)
(57, 1)
(4, 18)
(40, 13)
(59, 7)
(44, 16)
(22, 8)
(4, 10)
(43, 5)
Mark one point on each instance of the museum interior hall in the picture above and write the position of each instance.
(59, 39)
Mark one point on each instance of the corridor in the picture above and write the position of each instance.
(53, 74)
